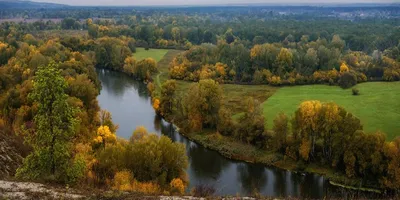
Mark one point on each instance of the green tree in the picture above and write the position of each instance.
(347, 80)
(281, 130)
(203, 103)
(167, 99)
(284, 62)
(156, 158)
(145, 68)
(52, 138)
(252, 124)
(111, 53)
(311, 59)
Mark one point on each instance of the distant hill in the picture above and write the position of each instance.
(21, 4)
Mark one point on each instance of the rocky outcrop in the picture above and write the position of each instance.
(28, 190)
(10, 155)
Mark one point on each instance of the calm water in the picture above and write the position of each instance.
(130, 105)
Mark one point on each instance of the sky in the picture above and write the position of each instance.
(204, 2)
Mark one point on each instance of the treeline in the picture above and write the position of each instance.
(204, 25)
(318, 133)
(286, 63)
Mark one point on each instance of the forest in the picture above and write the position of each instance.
(49, 89)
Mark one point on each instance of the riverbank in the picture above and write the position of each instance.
(236, 150)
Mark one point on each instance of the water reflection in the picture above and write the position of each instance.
(253, 178)
(130, 105)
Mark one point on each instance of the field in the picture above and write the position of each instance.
(377, 106)
(156, 54)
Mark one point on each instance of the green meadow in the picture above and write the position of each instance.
(377, 106)
(156, 54)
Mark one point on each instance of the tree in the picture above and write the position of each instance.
(337, 42)
(111, 53)
(156, 158)
(311, 59)
(347, 80)
(284, 62)
(139, 133)
(69, 23)
(176, 33)
(167, 101)
(104, 136)
(344, 68)
(129, 65)
(229, 37)
(252, 124)
(281, 131)
(145, 68)
(225, 125)
(306, 126)
(52, 155)
(203, 103)
(106, 120)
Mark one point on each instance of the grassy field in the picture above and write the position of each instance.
(377, 106)
(156, 54)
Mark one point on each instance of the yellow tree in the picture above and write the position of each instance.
(344, 68)
(129, 65)
(284, 62)
(176, 33)
(139, 133)
(306, 126)
(104, 136)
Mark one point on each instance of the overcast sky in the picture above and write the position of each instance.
(203, 2)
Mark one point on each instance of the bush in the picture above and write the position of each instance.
(203, 191)
(123, 181)
(355, 91)
(347, 80)
(177, 186)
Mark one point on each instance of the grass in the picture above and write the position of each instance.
(163, 66)
(235, 95)
(156, 54)
(377, 106)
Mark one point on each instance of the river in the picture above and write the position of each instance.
(130, 105)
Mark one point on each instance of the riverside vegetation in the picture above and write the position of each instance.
(221, 91)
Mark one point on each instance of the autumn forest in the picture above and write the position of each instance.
(306, 89)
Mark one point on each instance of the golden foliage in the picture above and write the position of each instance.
(275, 80)
(146, 188)
(104, 135)
(123, 181)
(151, 87)
(344, 68)
(156, 104)
(255, 51)
(177, 186)
(139, 133)
(309, 111)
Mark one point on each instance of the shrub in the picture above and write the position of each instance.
(203, 191)
(347, 80)
(355, 91)
(146, 187)
(177, 186)
(123, 181)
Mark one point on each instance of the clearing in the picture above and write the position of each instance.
(156, 54)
